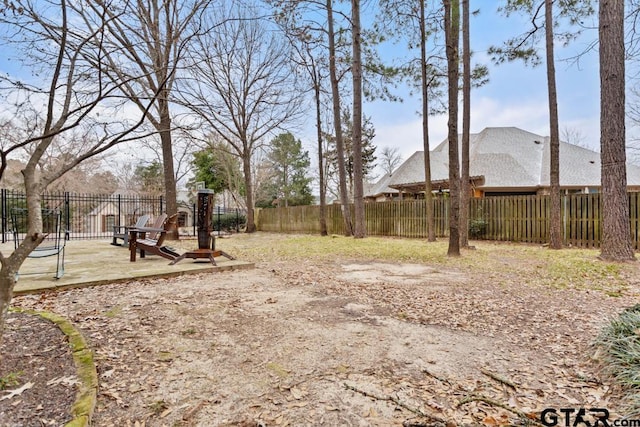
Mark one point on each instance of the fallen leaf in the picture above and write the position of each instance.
(108, 374)
(297, 393)
(112, 394)
(68, 381)
(134, 388)
(490, 421)
(16, 392)
(435, 405)
(298, 404)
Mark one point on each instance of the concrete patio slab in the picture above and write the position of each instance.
(97, 262)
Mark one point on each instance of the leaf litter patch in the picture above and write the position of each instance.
(403, 273)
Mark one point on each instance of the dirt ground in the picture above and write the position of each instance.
(343, 342)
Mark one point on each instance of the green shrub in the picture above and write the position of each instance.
(620, 342)
(229, 222)
(477, 228)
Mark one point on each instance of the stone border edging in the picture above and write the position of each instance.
(85, 403)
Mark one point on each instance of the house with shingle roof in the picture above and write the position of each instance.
(502, 161)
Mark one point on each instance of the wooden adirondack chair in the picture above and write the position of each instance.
(154, 243)
(122, 231)
(157, 225)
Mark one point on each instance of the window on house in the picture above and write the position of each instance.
(108, 221)
(182, 219)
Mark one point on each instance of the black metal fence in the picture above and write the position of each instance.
(92, 216)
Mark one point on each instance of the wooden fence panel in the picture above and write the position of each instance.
(633, 208)
(511, 218)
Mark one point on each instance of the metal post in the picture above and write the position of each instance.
(237, 220)
(193, 219)
(3, 196)
(67, 215)
(119, 210)
(219, 222)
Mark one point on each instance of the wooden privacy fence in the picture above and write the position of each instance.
(510, 218)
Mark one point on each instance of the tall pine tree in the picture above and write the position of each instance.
(290, 165)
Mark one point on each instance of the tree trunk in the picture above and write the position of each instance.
(10, 267)
(321, 160)
(616, 242)
(170, 191)
(555, 230)
(452, 32)
(428, 195)
(356, 71)
(7, 283)
(465, 188)
(248, 183)
(11, 264)
(337, 124)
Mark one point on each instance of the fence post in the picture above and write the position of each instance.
(3, 198)
(219, 223)
(161, 205)
(237, 221)
(193, 218)
(67, 215)
(119, 209)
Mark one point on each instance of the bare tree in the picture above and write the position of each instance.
(183, 148)
(148, 37)
(90, 174)
(390, 159)
(52, 43)
(574, 136)
(555, 229)
(424, 80)
(242, 85)
(465, 187)
(452, 34)
(419, 24)
(525, 47)
(337, 122)
(616, 239)
(360, 229)
(316, 77)
(306, 41)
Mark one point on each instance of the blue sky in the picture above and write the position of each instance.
(516, 95)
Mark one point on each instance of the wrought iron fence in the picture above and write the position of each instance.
(93, 216)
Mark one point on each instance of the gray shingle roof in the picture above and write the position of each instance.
(509, 157)
(379, 187)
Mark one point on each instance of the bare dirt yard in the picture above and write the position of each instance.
(337, 332)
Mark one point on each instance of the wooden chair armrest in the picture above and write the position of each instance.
(146, 229)
(126, 228)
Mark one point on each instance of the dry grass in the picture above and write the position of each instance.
(566, 268)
